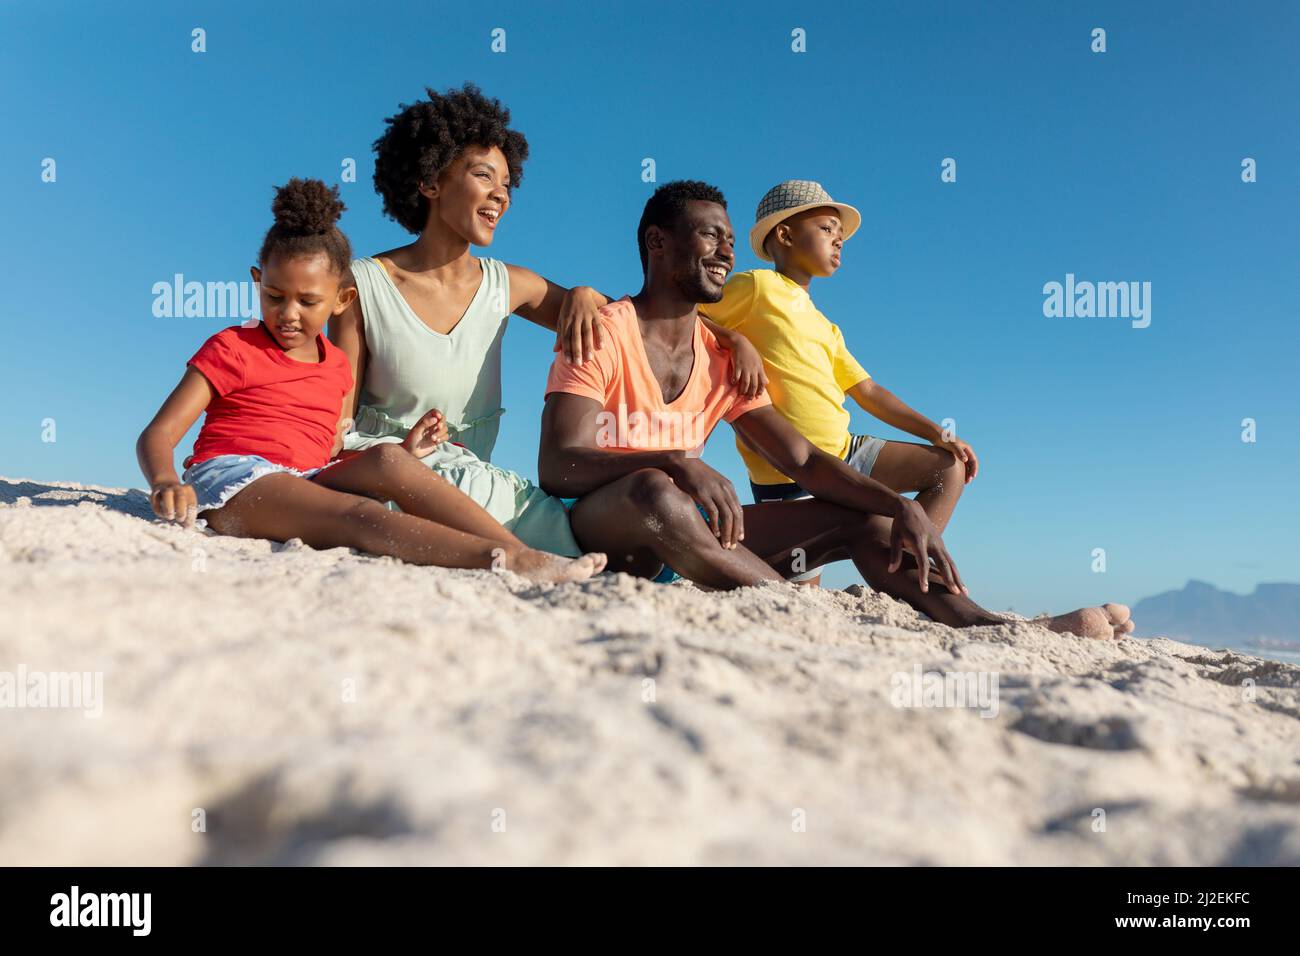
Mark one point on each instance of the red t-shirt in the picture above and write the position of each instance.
(267, 403)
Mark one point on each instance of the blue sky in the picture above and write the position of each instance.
(1115, 166)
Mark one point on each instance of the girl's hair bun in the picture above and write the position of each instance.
(306, 207)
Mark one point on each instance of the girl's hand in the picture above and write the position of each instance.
(344, 425)
(580, 330)
(173, 501)
(965, 454)
(746, 365)
(426, 434)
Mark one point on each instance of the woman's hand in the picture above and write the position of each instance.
(965, 454)
(426, 434)
(915, 533)
(176, 502)
(579, 330)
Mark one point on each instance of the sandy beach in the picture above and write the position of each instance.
(271, 704)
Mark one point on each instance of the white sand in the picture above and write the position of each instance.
(482, 700)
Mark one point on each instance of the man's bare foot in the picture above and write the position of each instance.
(540, 566)
(1105, 622)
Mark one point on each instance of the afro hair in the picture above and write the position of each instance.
(424, 138)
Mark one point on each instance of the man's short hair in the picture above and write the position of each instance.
(664, 209)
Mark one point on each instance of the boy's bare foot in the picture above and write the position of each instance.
(1105, 622)
(540, 566)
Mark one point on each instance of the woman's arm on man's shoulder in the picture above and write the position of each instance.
(572, 314)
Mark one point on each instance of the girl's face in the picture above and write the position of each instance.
(298, 295)
(471, 195)
(812, 241)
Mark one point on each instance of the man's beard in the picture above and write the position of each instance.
(690, 285)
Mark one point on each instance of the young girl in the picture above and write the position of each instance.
(273, 395)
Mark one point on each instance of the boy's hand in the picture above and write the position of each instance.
(746, 365)
(579, 331)
(173, 501)
(965, 454)
(426, 434)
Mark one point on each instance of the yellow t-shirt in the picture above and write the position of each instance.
(809, 368)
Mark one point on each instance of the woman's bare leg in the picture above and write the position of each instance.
(281, 506)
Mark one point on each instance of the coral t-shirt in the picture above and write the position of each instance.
(635, 415)
(267, 403)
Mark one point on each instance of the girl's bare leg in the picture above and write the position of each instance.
(388, 472)
(282, 506)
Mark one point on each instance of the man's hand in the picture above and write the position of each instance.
(426, 434)
(965, 454)
(716, 495)
(173, 501)
(913, 532)
(579, 330)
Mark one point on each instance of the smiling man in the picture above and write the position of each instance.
(621, 439)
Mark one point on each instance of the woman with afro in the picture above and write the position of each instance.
(425, 329)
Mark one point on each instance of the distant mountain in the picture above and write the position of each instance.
(1200, 612)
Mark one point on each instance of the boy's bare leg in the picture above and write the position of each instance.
(281, 506)
(934, 472)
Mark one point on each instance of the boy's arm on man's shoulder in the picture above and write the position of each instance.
(747, 370)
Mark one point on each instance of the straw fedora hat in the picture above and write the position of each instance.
(791, 197)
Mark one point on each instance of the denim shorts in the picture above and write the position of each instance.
(216, 480)
(861, 457)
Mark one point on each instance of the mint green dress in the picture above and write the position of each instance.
(412, 369)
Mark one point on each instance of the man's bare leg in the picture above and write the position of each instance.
(934, 473)
(644, 521)
(828, 532)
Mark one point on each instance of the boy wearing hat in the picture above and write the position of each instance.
(801, 230)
